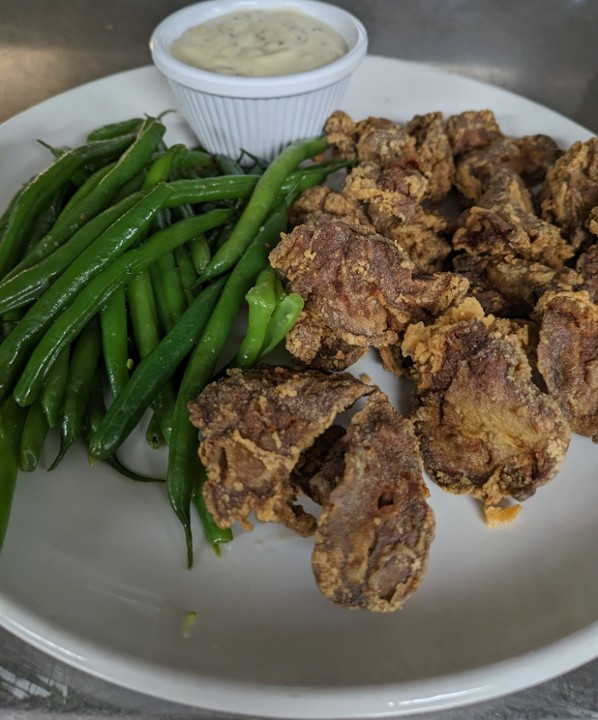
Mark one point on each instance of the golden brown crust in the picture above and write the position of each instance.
(471, 130)
(360, 290)
(375, 530)
(496, 516)
(255, 425)
(568, 356)
(570, 192)
(503, 225)
(484, 427)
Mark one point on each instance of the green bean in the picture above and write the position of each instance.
(183, 462)
(33, 437)
(186, 271)
(113, 130)
(53, 391)
(166, 281)
(215, 536)
(26, 286)
(115, 341)
(228, 166)
(225, 231)
(9, 321)
(151, 374)
(124, 232)
(90, 184)
(283, 318)
(129, 164)
(161, 168)
(142, 311)
(211, 189)
(44, 220)
(91, 298)
(96, 411)
(168, 290)
(12, 419)
(39, 192)
(200, 253)
(153, 434)
(131, 186)
(261, 300)
(261, 201)
(82, 370)
(195, 160)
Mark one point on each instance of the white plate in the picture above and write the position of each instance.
(93, 569)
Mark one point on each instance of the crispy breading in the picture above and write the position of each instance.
(323, 200)
(511, 287)
(434, 153)
(383, 142)
(568, 356)
(496, 516)
(504, 225)
(374, 533)
(471, 130)
(358, 287)
(570, 192)
(341, 133)
(255, 425)
(390, 194)
(528, 157)
(392, 197)
(587, 267)
(484, 427)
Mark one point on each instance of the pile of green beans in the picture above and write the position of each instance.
(124, 267)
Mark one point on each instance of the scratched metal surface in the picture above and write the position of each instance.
(543, 49)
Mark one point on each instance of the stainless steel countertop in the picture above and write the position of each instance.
(545, 50)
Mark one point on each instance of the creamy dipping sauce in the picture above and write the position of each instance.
(260, 43)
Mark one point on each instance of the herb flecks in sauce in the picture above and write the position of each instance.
(260, 43)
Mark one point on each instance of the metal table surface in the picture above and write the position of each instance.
(545, 50)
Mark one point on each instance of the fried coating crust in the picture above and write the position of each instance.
(390, 194)
(587, 267)
(383, 141)
(392, 197)
(570, 192)
(484, 427)
(528, 157)
(472, 130)
(255, 426)
(374, 533)
(434, 153)
(341, 133)
(511, 287)
(568, 356)
(322, 200)
(359, 288)
(503, 224)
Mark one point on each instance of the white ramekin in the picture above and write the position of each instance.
(258, 114)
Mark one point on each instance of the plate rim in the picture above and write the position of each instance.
(517, 673)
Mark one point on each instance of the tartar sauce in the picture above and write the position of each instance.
(260, 43)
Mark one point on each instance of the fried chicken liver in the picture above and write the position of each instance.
(268, 435)
(568, 356)
(484, 427)
(374, 533)
(360, 290)
(255, 426)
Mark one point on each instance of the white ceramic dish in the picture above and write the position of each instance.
(93, 567)
(257, 114)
